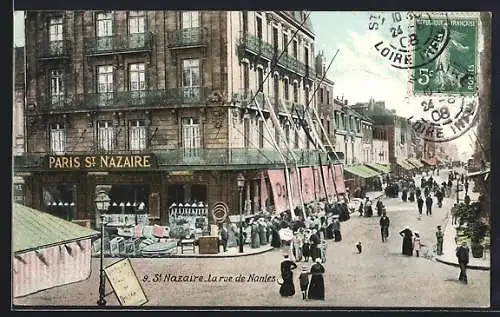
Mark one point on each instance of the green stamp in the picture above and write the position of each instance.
(454, 70)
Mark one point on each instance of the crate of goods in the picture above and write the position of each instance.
(117, 245)
(132, 246)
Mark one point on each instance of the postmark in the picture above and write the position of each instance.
(454, 71)
(401, 39)
(443, 118)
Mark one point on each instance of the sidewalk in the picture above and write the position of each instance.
(449, 250)
(188, 253)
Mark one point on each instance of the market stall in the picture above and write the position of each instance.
(47, 251)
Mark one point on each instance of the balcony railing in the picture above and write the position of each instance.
(259, 47)
(202, 159)
(137, 42)
(143, 98)
(187, 38)
(55, 50)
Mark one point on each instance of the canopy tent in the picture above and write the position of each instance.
(361, 171)
(379, 167)
(415, 162)
(404, 164)
(479, 173)
(47, 251)
(430, 161)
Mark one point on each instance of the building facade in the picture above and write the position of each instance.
(18, 103)
(161, 108)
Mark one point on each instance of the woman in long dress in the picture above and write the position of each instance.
(407, 235)
(317, 284)
(315, 241)
(287, 288)
(255, 236)
(275, 240)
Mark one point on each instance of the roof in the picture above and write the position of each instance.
(33, 229)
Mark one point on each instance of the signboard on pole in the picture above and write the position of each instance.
(125, 283)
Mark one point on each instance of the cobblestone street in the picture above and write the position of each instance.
(379, 277)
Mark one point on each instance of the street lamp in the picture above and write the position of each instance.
(241, 183)
(458, 190)
(102, 204)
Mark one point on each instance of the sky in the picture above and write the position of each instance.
(358, 71)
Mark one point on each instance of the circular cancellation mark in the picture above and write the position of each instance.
(409, 39)
(443, 119)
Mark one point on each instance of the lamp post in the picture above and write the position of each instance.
(102, 204)
(458, 190)
(241, 183)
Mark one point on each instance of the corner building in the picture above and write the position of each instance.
(155, 108)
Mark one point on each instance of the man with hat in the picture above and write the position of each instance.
(336, 229)
(463, 260)
(440, 238)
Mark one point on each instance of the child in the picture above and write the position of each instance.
(417, 244)
(304, 281)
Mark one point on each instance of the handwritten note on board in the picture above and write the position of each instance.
(125, 283)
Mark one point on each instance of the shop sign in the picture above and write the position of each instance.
(100, 162)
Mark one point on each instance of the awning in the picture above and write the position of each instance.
(430, 161)
(404, 164)
(479, 173)
(415, 162)
(379, 167)
(361, 171)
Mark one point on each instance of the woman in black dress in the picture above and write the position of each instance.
(407, 235)
(275, 240)
(315, 241)
(317, 284)
(287, 288)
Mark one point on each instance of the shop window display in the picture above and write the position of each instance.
(188, 210)
(60, 200)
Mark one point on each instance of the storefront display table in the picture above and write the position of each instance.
(187, 243)
(208, 245)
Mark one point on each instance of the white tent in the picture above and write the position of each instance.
(47, 251)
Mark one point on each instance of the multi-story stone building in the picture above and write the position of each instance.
(160, 108)
(18, 120)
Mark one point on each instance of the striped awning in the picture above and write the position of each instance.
(361, 171)
(404, 164)
(415, 162)
(379, 167)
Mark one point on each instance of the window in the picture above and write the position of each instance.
(327, 97)
(287, 134)
(245, 22)
(246, 132)
(246, 77)
(190, 19)
(306, 96)
(191, 79)
(259, 27)
(57, 138)
(328, 127)
(296, 141)
(337, 119)
(104, 31)
(295, 92)
(275, 39)
(276, 89)
(56, 35)
(358, 125)
(60, 200)
(191, 136)
(277, 134)
(136, 22)
(286, 92)
(306, 56)
(57, 87)
(105, 135)
(137, 83)
(321, 99)
(295, 48)
(137, 135)
(260, 79)
(322, 134)
(345, 152)
(105, 89)
(403, 139)
(261, 134)
(285, 43)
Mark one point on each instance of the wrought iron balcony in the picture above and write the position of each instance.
(184, 38)
(245, 98)
(55, 50)
(257, 46)
(126, 99)
(138, 42)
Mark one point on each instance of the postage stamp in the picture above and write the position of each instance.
(454, 71)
